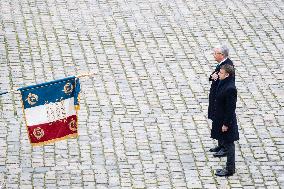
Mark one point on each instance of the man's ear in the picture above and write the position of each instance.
(227, 75)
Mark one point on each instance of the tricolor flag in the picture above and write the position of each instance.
(50, 110)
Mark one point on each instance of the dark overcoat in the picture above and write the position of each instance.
(213, 87)
(224, 112)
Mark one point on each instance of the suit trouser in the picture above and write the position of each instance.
(230, 147)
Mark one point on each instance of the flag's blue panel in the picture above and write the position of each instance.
(40, 94)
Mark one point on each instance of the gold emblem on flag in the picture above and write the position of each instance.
(32, 99)
(72, 125)
(38, 133)
(68, 88)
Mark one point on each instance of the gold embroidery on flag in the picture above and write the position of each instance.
(68, 88)
(38, 133)
(32, 99)
(73, 135)
(72, 125)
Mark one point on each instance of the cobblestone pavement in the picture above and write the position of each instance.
(143, 119)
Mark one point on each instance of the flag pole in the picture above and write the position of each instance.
(79, 76)
(86, 75)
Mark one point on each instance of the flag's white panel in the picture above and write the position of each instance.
(50, 112)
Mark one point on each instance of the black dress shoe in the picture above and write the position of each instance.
(215, 149)
(218, 170)
(220, 153)
(224, 173)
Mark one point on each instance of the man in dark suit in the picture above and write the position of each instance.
(224, 125)
(220, 54)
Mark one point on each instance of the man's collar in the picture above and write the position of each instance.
(223, 60)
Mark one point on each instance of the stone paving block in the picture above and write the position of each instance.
(143, 118)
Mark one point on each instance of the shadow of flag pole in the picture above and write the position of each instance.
(12, 91)
(4, 93)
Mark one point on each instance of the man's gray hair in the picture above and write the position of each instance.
(223, 49)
